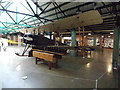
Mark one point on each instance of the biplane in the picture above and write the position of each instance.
(42, 44)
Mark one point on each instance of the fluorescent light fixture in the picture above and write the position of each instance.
(111, 32)
(102, 36)
(53, 32)
(89, 33)
(67, 37)
(17, 31)
(41, 33)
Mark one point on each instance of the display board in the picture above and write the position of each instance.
(90, 41)
(108, 42)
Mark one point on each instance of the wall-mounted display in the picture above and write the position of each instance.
(90, 41)
(108, 42)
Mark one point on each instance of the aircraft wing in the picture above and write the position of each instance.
(83, 19)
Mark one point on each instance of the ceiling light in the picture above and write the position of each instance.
(89, 33)
(111, 32)
(102, 36)
(17, 31)
(53, 32)
(109, 36)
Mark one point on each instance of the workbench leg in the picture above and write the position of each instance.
(50, 65)
(83, 53)
(56, 63)
(36, 60)
(90, 53)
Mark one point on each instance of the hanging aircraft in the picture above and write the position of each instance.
(40, 42)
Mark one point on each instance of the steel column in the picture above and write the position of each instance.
(94, 40)
(116, 47)
(73, 42)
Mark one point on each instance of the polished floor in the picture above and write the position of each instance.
(73, 72)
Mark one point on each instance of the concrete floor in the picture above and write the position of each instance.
(74, 72)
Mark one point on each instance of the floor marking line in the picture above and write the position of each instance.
(68, 77)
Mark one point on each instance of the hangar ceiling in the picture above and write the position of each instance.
(23, 14)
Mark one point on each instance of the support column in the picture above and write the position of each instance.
(85, 40)
(14, 38)
(73, 34)
(9, 38)
(116, 47)
(19, 40)
(50, 35)
(94, 38)
(54, 36)
(60, 40)
(101, 41)
(73, 42)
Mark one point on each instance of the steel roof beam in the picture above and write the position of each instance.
(7, 28)
(109, 5)
(22, 19)
(9, 15)
(108, 13)
(109, 21)
(68, 15)
(56, 11)
(44, 4)
(32, 20)
(36, 15)
(4, 25)
(108, 10)
(30, 7)
(55, 8)
(100, 26)
(16, 12)
(26, 7)
(45, 8)
(75, 14)
(17, 24)
(27, 18)
(60, 9)
(103, 25)
(88, 3)
(38, 6)
(7, 6)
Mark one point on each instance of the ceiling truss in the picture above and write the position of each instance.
(109, 11)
